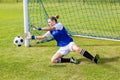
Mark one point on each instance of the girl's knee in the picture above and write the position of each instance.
(78, 50)
(53, 60)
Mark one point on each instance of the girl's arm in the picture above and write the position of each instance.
(40, 37)
(29, 36)
(48, 28)
(44, 29)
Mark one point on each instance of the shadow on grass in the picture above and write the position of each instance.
(103, 60)
(57, 65)
(107, 60)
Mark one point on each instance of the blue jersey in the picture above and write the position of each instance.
(61, 36)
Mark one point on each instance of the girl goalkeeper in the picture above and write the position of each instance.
(64, 41)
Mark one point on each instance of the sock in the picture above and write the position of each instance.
(87, 54)
(63, 60)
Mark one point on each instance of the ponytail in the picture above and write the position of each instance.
(57, 16)
(54, 18)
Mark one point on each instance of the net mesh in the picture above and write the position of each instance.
(88, 18)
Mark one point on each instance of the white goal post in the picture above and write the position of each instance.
(26, 26)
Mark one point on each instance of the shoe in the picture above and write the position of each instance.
(97, 58)
(75, 61)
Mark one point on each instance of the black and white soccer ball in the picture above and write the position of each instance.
(18, 41)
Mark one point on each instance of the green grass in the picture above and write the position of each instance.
(21, 63)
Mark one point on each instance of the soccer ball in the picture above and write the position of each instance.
(18, 41)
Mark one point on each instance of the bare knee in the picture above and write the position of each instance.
(56, 58)
(77, 49)
(53, 60)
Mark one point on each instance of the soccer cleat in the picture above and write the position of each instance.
(97, 58)
(75, 61)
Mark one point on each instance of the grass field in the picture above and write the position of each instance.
(21, 63)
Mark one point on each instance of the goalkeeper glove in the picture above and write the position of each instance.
(35, 28)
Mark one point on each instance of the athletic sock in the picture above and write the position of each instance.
(63, 60)
(87, 55)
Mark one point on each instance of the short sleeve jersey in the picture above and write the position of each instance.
(60, 35)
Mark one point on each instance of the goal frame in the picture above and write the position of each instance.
(26, 25)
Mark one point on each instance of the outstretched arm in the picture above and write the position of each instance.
(44, 29)
(48, 28)
(29, 36)
(40, 37)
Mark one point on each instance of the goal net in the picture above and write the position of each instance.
(85, 18)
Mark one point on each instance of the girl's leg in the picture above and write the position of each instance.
(63, 51)
(56, 58)
(85, 53)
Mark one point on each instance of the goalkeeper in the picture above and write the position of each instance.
(64, 41)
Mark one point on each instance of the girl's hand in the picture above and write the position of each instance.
(28, 35)
(34, 27)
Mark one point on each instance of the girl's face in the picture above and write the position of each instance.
(51, 22)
